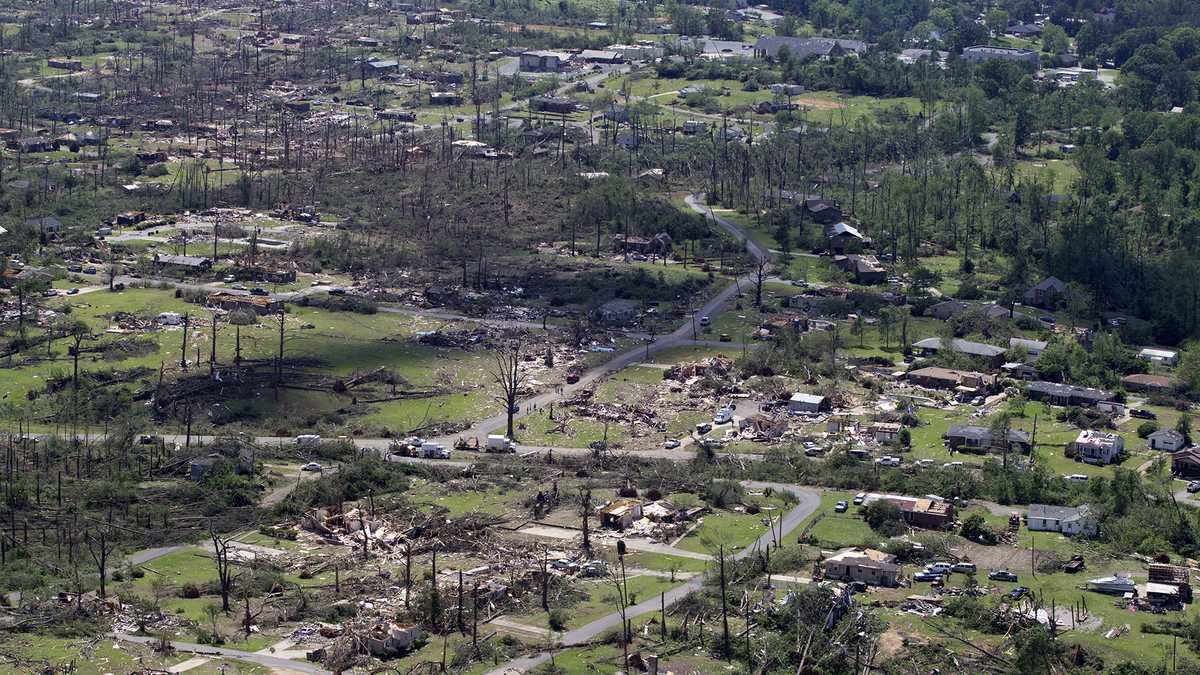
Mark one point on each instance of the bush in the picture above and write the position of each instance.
(721, 493)
(557, 620)
(1146, 428)
(189, 591)
(884, 517)
(653, 494)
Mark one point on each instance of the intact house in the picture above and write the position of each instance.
(1033, 348)
(801, 402)
(1186, 463)
(45, 224)
(971, 438)
(926, 512)
(621, 513)
(840, 236)
(863, 564)
(990, 353)
(540, 61)
(1097, 447)
(1169, 440)
(1154, 384)
(1047, 294)
(866, 269)
(1066, 394)
(982, 53)
(1162, 357)
(1069, 520)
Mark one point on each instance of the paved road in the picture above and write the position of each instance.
(681, 336)
(218, 652)
(809, 498)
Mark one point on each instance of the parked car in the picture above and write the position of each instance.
(229, 279)
(951, 465)
(964, 567)
(307, 439)
(1077, 477)
(89, 270)
(671, 444)
(1143, 414)
(259, 291)
(1018, 592)
(841, 507)
(703, 428)
(311, 466)
(1001, 575)
(927, 576)
(73, 291)
(1194, 486)
(860, 498)
(704, 321)
(724, 337)
(939, 567)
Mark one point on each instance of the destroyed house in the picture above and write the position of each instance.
(1186, 463)
(554, 104)
(620, 513)
(924, 512)
(1066, 394)
(658, 244)
(865, 269)
(1098, 447)
(933, 377)
(762, 426)
(232, 302)
(821, 211)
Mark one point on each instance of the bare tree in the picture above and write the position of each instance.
(506, 372)
(760, 275)
(224, 565)
(101, 542)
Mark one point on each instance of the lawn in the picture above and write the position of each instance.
(732, 529)
(601, 600)
(458, 501)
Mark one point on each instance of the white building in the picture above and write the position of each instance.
(1163, 357)
(1098, 447)
(806, 403)
(1069, 520)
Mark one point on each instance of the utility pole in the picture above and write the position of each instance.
(183, 344)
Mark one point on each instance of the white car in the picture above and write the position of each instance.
(1077, 478)
(671, 444)
(953, 465)
(704, 321)
(311, 466)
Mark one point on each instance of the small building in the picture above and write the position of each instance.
(1154, 384)
(65, 64)
(863, 564)
(1069, 520)
(981, 439)
(884, 432)
(801, 402)
(45, 224)
(866, 269)
(620, 513)
(616, 311)
(1186, 463)
(659, 244)
(1021, 371)
(1162, 357)
(540, 61)
(947, 309)
(801, 48)
(1033, 348)
(1047, 294)
(1066, 394)
(841, 236)
(989, 353)
(1168, 440)
(692, 127)
(1098, 447)
(445, 98)
(821, 211)
(185, 262)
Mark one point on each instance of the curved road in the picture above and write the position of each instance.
(809, 498)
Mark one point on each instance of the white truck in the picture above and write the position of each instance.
(306, 440)
(498, 443)
(434, 451)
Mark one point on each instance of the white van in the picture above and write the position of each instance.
(305, 440)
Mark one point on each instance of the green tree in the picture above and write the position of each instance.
(1054, 39)
(996, 20)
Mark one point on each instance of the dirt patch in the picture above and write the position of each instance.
(818, 103)
(1001, 556)
(891, 642)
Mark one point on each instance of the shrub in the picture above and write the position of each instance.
(1146, 428)
(189, 591)
(557, 620)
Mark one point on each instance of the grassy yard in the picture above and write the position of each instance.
(601, 599)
